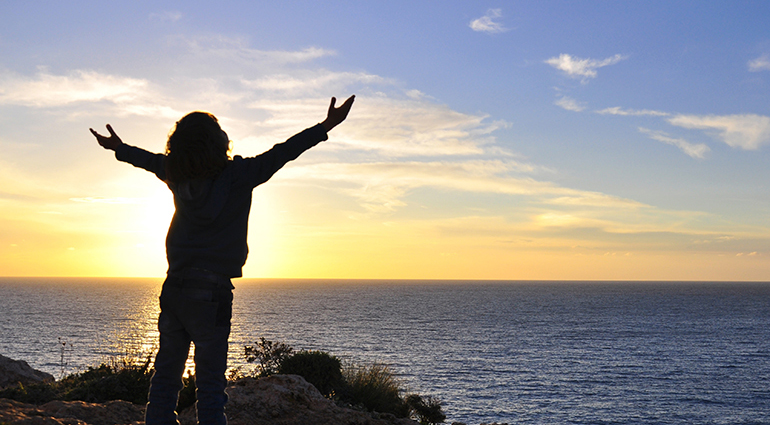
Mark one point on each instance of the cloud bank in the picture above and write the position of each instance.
(383, 186)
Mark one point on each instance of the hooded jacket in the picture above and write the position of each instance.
(210, 224)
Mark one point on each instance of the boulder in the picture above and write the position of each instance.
(13, 372)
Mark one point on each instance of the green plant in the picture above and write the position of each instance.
(269, 354)
(62, 351)
(321, 369)
(122, 379)
(34, 393)
(375, 388)
(105, 383)
(128, 381)
(427, 410)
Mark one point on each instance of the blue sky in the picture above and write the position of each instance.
(489, 139)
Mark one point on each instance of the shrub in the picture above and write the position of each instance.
(120, 380)
(375, 387)
(269, 354)
(105, 383)
(129, 381)
(321, 369)
(33, 393)
(427, 410)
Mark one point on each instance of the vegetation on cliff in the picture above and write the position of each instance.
(373, 388)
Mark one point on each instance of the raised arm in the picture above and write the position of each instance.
(111, 142)
(152, 162)
(337, 115)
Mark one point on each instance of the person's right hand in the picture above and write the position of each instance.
(111, 142)
(337, 115)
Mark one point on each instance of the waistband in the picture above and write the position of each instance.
(192, 273)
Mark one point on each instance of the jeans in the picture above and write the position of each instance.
(194, 308)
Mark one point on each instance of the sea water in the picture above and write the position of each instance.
(515, 352)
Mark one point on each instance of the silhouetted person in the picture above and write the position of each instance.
(206, 247)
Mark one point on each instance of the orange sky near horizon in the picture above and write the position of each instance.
(114, 239)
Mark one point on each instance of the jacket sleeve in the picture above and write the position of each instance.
(140, 158)
(260, 168)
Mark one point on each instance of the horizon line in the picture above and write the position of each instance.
(458, 280)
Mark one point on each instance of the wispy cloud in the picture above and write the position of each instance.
(747, 131)
(166, 16)
(546, 212)
(489, 23)
(617, 110)
(237, 52)
(761, 63)
(390, 122)
(595, 199)
(47, 90)
(383, 186)
(693, 150)
(389, 126)
(400, 127)
(121, 95)
(311, 82)
(569, 104)
(576, 67)
(105, 200)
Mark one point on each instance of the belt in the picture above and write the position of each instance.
(194, 273)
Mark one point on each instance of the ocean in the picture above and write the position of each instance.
(514, 352)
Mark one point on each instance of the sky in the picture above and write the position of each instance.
(550, 140)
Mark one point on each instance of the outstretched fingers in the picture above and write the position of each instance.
(337, 115)
(111, 142)
(347, 104)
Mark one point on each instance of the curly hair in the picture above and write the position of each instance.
(197, 148)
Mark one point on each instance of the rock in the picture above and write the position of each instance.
(288, 400)
(70, 413)
(110, 413)
(13, 372)
(17, 413)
